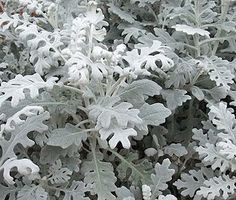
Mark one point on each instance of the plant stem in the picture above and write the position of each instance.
(196, 37)
(224, 10)
(48, 103)
(199, 73)
(114, 88)
(216, 39)
(101, 91)
(196, 42)
(128, 163)
(97, 168)
(154, 137)
(190, 117)
(153, 13)
(77, 90)
(1, 7)
(82, 122)
(90, 40)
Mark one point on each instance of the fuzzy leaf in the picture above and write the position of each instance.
(100, 175)
(65, 137)
(182, 74)
(227, 149)
(6, 22)
(24, 167)
(219, 72)
(224, 120)
(203, 139)
(58, 174)
(154, 115)
(117, 135)
(107, 108)
(42, 45)
(210, 156)
(146, 57)
(32, 192)
(9, 191)
(123, 192)
(166, 39)
(175, 98)
(121, 13)
(16, 87)
(76, 191)
(175, 149)
(17, 120)
(221, 186)
(140, 170)
(162, 175)
(191, 30)
(131, 31)
(197, 92)
(191, 182)
(186, 12)
(167, 197)
(139, 90)
(20, 135)
(143, 3)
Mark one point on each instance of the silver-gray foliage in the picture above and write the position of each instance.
(117, 99)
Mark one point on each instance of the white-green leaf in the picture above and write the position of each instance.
(9, 191)
(117, 134)
(100, 175)
(131, 31)
(76, 191)
(20, 135)
(175, 149)
(162, 175)
(16, 88)
(154, 114)
(167, 197)
(123, 193)
(65, 137)
(121, 13)
(210, 155)
(32, 192)
(139, 90)
(143, 3)
(191, 30)
(24, 166)
(143, 59)
(219, 72)
(107, 108)
(192, 181)
(222, 186)
(59, 174)
(140, 171)
(175, 98)
(197, 92)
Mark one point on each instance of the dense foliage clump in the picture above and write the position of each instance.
(117, 99)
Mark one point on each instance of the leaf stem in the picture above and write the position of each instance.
(90, 40)
(196, 37)
(199, 73)
(154, 14)
(83, 122)
(48, 103)
(131, 165)
(216, 39)
(224, 10)
(93, 148)
(196, 42)
(114, 88)
(77, 90)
